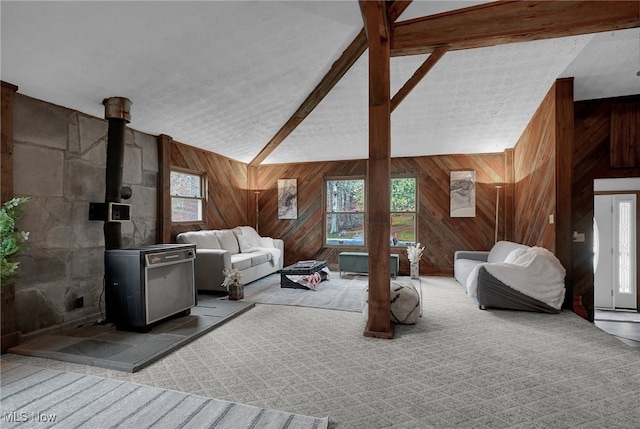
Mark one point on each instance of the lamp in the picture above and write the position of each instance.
(257, 195)
(498, 187)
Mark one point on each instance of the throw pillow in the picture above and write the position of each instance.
(228, 240)
(266, 242)
(246, 244)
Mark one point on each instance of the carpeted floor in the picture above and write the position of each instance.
(37, 397)
(458, 367)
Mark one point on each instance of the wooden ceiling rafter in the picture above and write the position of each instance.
(504, 22)
(417, 76)
(338, 69)
(483, 25)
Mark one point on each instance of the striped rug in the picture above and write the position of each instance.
(37, 398)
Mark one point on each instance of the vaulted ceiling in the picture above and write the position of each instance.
(225, 76)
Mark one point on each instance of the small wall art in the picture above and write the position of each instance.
(463, 193)
(287, 199)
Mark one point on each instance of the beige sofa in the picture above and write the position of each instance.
(242, 248)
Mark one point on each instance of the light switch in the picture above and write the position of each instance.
(550, 218)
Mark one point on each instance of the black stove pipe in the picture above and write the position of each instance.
(117, 112)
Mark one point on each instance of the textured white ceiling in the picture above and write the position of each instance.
(226, 75)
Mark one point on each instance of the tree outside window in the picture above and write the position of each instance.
(403, 211)
(345, 212)
(345, 208)
(187, 196)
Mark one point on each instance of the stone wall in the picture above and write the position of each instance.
(59, 161)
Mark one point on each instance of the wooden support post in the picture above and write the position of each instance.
(564, 164)
(376, 22)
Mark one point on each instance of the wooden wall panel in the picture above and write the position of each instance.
(564, 130)
(535, 177)
(303, 236)
(227, 197)
(441, 234)
(591, 160)
(625, 135)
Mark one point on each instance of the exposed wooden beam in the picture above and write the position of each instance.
(338, 69)
(378, 225)
(348, 58)
(511, 21)
(421, 72)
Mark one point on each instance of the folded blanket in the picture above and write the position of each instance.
(275, 254)
(535, 272)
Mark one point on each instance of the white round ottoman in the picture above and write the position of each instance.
(405, 303)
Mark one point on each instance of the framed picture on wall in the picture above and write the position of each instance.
(463, 193)
(287, 199)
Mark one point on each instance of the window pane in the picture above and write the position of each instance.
(403, 229)
(185, 184)
(403, 194)
(345, 229)
(186, 210)
(345, 195)
(624, 247)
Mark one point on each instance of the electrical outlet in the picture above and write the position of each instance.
(80, 302)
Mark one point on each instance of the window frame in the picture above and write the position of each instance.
(415, 211)
(326, 211)
(202, 198)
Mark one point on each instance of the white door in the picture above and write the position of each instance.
(615, 268)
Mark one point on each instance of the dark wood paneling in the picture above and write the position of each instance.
(591, 161)
(441, 234)
(625, 135)
(227, 195)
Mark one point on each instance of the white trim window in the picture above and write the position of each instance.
(404, 211)
(188, 194)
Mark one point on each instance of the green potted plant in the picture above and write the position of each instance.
(11, 240)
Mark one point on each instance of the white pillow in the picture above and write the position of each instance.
(246, 244)
(227, 240)
(514, 255)
(266, 242)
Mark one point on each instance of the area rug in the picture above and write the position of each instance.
(336, 293)
(37, 397)
(104, 346)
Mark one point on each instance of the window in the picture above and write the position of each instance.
(187, 196)
(345, 212)
(403, 211)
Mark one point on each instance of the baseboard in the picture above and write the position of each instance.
(10, 340)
